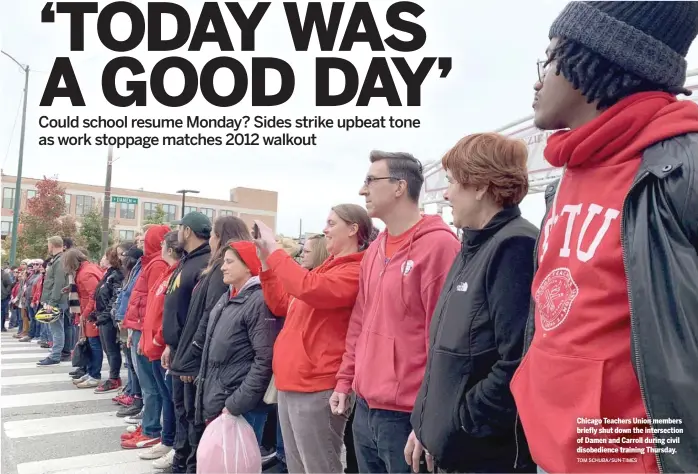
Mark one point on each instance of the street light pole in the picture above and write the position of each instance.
(184, 192)
(18, 186)
(107, 202)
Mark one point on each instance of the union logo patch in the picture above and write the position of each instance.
(554, 298)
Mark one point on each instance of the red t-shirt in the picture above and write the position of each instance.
(394, 242)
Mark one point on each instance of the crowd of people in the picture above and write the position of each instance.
(411, 349)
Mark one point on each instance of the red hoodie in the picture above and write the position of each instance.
(153, 317)
(86, 279)
(579, 366)
(317, 305)
(388, 335)
(153, 268)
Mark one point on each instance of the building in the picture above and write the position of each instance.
(131, 207)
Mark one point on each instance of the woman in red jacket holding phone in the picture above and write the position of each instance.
(308, 351)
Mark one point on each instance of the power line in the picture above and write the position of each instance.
(12, 133)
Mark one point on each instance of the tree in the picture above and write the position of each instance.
(158, 217)
(91, 234)
(42, 219)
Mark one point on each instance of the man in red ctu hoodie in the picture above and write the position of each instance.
(610, 370)
(153, 268)
(401, 276)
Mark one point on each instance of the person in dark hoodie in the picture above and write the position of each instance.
(464, 410)
(193, 234)
(236, 363)
(153, 268)
(105, 299)
(612, 330)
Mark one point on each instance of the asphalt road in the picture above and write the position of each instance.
(50, 426)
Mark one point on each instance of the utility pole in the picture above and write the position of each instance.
(300, 230)
(18, 185)
(184, 192)
(107, 202)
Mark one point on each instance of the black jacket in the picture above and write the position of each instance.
(659, 238)
(105, 296)
(204, 297)
(236, 363)
(179, 291)
(464, 409)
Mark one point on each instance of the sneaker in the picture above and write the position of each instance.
(156, 452)
(48, 362)
(165, 462)
(132, 410)
(80, 380)
(26, 339)
(108, 385)
(124, 400)
(131, 431)
(135, 419)
(66, 358)
(77, 371)
(139, 441)
(88, 383)
(267, 454)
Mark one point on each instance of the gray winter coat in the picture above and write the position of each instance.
(236, 360)
(54, 282)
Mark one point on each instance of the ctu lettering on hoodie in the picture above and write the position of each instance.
(572, 211)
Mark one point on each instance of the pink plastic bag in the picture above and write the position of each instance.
(228, 446)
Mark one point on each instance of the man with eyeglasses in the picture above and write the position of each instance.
(610, 343)
(402, 274)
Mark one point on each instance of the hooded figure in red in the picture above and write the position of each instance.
(153, 268)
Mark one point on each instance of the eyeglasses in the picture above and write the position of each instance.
(543, 68)
(370, 179)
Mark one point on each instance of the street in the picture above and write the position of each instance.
(50, 426)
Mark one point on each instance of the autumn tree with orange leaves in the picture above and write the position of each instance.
(43, 218)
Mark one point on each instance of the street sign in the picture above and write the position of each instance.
(124, 200)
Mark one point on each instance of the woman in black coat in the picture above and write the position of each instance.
(236, 360)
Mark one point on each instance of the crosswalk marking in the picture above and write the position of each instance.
(5, 348)
(50, 398)
(32, 365)
(123, 462)
(24, 355)
(61, 424)
(42, 378)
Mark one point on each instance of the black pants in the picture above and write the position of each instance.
(379, 439)
(109, 337)
(352, 466)
(188, 432)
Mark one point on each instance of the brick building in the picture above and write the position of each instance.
(133, 206)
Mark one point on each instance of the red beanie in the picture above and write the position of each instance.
(248, 254)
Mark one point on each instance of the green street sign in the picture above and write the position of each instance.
(124, 200)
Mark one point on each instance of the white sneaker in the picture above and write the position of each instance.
(132, 428)
(156, 452)
(88, 383)
(81, 379)
(165, 462)
(134, 420)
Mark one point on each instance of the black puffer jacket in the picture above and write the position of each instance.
(105, 296)
(206, 294)
(236, 362)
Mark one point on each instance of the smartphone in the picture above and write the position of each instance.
(255, 232)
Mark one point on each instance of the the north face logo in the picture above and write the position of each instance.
(554, 298)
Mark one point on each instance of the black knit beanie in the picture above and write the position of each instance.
(649, 39)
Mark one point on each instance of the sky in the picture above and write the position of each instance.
(494, 47)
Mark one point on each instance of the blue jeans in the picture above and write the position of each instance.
(133, 386)
(70, 338)
(256, 418)
(94, 365)
(152, 401)
(169, 422)
(44, 332)
(33, 323)
(379, 439)
(17, 318)
(58, 335)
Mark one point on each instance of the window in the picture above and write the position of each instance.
(224, 213)
(188, 209)
(83, 205)
(207, 212)
(31, 193)
(128, 211)
(6, 227)
(66, 198)
(149, 209)
(126, 235)
(8, 198)
(170, 212)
